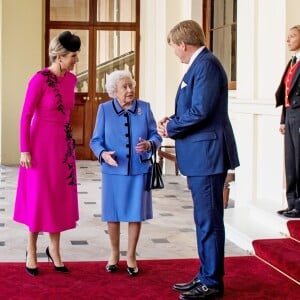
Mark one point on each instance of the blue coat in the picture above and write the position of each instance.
(204, 139)
(119, 130)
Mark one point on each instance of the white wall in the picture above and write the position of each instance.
(160, 70)
(262, 56)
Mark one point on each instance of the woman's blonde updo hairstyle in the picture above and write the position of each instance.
(55, 49)
(62, 44)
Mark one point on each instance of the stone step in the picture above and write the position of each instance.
(247, 223)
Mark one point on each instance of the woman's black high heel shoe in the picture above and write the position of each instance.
(31, 271)
(62, 269)
(132, 271)
(111, 268)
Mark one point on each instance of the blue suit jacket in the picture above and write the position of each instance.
(119, 130)
(204, 138)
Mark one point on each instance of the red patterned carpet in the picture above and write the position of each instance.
(294, 229)
(282, 253)
(245, 278)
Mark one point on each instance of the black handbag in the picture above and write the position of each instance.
(155, 180)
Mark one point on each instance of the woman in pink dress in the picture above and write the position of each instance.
(46, 198)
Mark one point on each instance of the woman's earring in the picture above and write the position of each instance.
(60, 68)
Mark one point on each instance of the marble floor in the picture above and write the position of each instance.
(170, 234)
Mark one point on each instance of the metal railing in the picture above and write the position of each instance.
(125, 61)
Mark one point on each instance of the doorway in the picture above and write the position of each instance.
(109, 31)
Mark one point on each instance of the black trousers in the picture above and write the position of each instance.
(292, 157)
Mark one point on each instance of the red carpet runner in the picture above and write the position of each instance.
(245, 278)
(283, 254)
(294, 229)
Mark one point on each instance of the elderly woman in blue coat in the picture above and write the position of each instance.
(123, 139)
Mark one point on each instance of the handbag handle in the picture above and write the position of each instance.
(153, 149)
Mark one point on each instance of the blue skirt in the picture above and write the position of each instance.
(125, 199)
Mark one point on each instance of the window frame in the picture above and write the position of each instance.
(93, 23)
(207, 21)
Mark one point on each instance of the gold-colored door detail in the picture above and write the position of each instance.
(109, 33)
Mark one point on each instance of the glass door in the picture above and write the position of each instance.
(109, 32)
(115, 50)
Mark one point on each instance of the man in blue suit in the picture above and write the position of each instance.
(205, 151)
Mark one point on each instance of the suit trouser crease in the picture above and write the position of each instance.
(292, 157)
(207, 194)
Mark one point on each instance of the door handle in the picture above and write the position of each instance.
(98, 98)
(86, 98)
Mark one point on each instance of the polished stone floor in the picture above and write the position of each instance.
(170, 234)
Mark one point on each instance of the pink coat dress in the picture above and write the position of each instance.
(46, 198)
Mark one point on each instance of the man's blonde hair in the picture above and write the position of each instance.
(188, 32)
(297, 27)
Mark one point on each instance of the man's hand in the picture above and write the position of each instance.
(282, 128)
(162, 127)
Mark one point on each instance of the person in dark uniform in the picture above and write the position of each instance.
(124, 131)
(288, 96)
